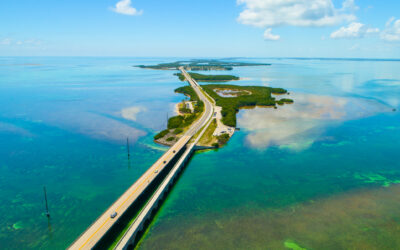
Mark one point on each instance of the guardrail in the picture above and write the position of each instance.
(130, 236)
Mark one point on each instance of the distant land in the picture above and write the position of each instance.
(209, 78)
(227, 99)
(201, 65)
(233, 97)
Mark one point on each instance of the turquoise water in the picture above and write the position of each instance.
(321, 173)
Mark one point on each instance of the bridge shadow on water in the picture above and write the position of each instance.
(114, 234)
(148, 221)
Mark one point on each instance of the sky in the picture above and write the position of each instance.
(207, 28)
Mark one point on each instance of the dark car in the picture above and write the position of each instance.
(113, 215)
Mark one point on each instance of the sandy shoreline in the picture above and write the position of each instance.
(176, 110)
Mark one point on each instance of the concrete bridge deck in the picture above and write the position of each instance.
(92, 236)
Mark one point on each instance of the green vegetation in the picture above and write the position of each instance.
(177, 124)
(260, 96)
(223, 139)
(170, 138)
(178, 131)
(185, 110)
(197, 65)
(208, 137)
(241, 96)
(189, 119)
(283, 101)
(208, 78)
(199, 107)
(161, 134)
(188, 91)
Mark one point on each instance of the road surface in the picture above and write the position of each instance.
(102, 225)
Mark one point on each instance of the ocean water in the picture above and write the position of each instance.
(322, 173)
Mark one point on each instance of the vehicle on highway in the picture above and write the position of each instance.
(156, 171)
(165, 162)
(113, 215)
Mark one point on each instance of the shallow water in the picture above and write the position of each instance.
(320, 173)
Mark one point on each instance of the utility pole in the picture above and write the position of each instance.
(127, 146)
(45, 198)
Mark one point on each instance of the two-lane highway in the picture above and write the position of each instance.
(104, 223)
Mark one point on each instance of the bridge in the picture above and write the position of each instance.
(176, 156)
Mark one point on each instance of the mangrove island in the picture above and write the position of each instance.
(200, 65)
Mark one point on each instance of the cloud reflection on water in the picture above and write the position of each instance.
(298, 125)
(131, 113)
(95, 125)
(11, 128)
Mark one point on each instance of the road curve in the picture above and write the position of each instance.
(96, 231)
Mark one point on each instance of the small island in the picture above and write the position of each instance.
(208, 78)
(228, 99)
(232, 97)
(188, 112)
(200, 65)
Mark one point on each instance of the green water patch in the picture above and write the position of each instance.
(339, 144)
(297, 145)
(18, 225)
(293, 245)
(376, 178)
(156, 147)
(361, 219)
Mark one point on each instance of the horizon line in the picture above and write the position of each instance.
(222, 58)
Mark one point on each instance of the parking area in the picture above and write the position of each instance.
(221, 128)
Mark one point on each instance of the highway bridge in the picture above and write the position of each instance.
(170, 163)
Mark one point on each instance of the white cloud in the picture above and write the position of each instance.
(304, 13)
(6, 41)
(124, 7)
(269, 36)
(271, 13)
(12, 42)
(392, 30)
(353, 30)
(350, 5)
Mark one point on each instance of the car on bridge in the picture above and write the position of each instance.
(113, 215)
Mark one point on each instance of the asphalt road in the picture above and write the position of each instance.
(100, 227)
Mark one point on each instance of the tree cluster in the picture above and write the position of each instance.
(260, 96)
(208, 78)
